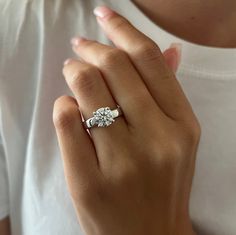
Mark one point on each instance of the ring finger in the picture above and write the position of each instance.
(91, 93)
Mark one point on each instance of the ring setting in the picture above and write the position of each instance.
(103, 117)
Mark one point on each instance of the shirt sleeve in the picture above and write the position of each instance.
(4, 198)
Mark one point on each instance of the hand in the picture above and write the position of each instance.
(133, 177)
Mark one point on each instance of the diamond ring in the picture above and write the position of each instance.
(103, 117)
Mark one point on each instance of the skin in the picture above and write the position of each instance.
(172, 57)
(213, 22)
(5, 226)
(133, 177)
(206, 22)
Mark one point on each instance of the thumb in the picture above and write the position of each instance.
(173, 56)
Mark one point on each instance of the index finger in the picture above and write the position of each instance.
(148, 60)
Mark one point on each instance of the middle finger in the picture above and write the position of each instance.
(122, 79)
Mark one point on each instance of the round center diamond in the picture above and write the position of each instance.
(103, 117)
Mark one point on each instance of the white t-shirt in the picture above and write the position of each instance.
(34, 42)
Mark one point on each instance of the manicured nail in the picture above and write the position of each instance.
(75, 41)
(67, 61)
(102, 11)
(178, 48)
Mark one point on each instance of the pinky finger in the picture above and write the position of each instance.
(77, 150)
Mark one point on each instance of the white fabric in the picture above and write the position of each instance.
(4, 197)
(34, 42)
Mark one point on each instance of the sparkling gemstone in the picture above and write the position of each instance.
(103, 117)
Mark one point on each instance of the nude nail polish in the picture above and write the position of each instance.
(75, 41)
(102, 11)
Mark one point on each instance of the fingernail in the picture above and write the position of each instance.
(75, 41)
(102, 11)
(178, 48)
(67, 61)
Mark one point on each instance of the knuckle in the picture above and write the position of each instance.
(125, 173)
(148, 51)
(113, 56)
(196, 132)
(172, 156)
(193, 133)
(174, 149)
(120, 24)
(178, 146)
(171, 151)
(64, 117)
(83, 79)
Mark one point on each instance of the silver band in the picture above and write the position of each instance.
(103, 117)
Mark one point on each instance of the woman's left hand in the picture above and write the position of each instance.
(133, 177)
